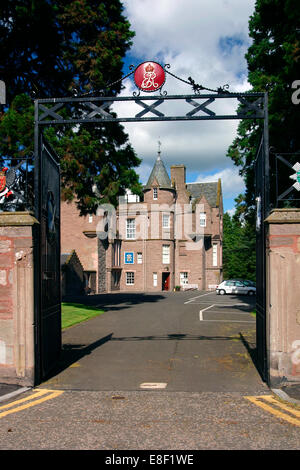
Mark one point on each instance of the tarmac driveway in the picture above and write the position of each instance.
(177, 341)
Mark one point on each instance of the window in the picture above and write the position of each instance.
(166, 254)
(215, 254)
(202, 219)
(166, 220)
(140, 258)
(184, 279)
(130, 278)
(130, 229)
(154, 279)
(116, 253)
(154, 193)
(116, 278)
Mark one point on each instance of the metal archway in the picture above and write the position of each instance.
(88, 109)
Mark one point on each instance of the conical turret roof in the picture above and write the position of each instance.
(159, 175)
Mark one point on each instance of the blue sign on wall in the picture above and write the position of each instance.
(129, 257)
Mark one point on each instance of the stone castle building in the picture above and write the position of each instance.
(173, 237)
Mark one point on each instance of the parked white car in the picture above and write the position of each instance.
(235, 287)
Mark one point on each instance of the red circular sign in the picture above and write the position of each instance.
(149, 76)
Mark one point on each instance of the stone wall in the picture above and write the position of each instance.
(283, 295)
(102, 275)
(16, 298)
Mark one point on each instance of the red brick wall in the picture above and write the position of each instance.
(73, 238)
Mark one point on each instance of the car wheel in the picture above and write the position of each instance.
(222, 292)
(251, 292)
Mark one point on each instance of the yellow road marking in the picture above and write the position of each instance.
(283, 406)
(50, 394)
(22, 400)
(266, 402)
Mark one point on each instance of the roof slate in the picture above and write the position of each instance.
(196, 190)
(209, 190)
(160, 174)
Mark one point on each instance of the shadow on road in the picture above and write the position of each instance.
(117, 301)
(72, 353)
(252, 351)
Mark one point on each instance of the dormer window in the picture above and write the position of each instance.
(154, 193)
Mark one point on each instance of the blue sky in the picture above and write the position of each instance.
(206, 40)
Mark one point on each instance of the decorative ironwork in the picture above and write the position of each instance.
(148, 77)
(287, 195)
(16, 185)
(133, 69)
(96, 109)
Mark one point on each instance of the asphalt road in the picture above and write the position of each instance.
(163, 339)
(170, 371)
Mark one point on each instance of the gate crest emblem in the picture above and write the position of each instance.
(149, 76)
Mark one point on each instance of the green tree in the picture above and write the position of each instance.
(273, 65)
(55, 49)
(239, 251)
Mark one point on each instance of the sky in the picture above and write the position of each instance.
(205, 40)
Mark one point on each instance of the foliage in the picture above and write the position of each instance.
(239, 251)
(58, 48)
(273, 64)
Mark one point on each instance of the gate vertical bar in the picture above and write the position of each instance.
(262, 194)
(266, 156)
(37, 244)
(266, 332)
(260, 261)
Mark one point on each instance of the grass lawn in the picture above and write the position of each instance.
(71, 313)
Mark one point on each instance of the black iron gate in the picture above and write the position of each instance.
(262, 211)
(47, 260)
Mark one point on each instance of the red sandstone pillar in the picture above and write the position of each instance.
(16, 298)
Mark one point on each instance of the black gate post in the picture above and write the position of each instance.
(262, 194)
(47, 277)
(36, 248)
(266, 332)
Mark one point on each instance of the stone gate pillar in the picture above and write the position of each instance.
(17, 298)
(283, 295)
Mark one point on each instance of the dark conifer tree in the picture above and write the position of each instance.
(274, 65)
(58, 48)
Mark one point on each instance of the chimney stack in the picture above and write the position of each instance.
(178, 176)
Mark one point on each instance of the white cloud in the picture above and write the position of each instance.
(206, 40)
(232, 182)
(231, 212)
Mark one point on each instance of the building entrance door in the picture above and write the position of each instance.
(165, 281)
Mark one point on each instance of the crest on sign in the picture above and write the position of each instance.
(2, 181)
(7, 179)
(149, 76)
